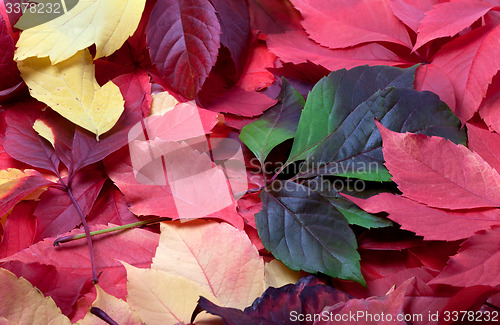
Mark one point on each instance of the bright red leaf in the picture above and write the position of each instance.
(489, 107)
(431, 223)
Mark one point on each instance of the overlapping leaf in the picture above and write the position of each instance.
(337, 108)
(183, 40)
(105, 23)
(70, 89)
(339, 24)
(304, 231)
(25, 304)
(199, 250)
(455, 178)
(278, 124)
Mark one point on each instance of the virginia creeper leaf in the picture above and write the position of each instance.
(340, 24)
(277, 305)
(470, 62)
(68, 266)
(234, 22)
(485, 143)
(24, 144)
(16, 184)
(449, 18)
(304, 231)
(10, 74)
(295, 47)
(431, 223)
(70, 89)
(277, 124)
(56, 213)
(198, 250)
(456, 178)
(21, 303)
(342, 89)
(117, 309)
(19, 229)
(353, 214)
(411, 13)
(105, 23)
(160, 297)
(476, 263)
(488, 109)
(110, 207)
(86, 150)
(183, 40)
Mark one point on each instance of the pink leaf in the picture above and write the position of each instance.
(489, 107)
(296, 47)
(485, 143)
(439, 173)
(411, 12)
(449, 18)
(183, 40)
(470, 62)
(342, 23)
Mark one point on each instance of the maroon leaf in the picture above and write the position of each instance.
(24, 144)
(275, 306)
(273, 16)
(183, 40)
(56, 213)
(235, 27)
(11, 80)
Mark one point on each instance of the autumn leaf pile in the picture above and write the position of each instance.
(369, 132)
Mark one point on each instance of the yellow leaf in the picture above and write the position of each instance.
(70, 88)
(22, 304)
(44, 131)
(105, 23)
(278, 274)
(162, 298)
(162, 103)
(217, 256)
(116, 308)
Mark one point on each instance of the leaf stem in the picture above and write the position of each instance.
(87, 232)
(66, 239)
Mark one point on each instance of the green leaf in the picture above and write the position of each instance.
(353, 214)
(354, 149)
(334, 97)
(304, 231)
(337, 133)
(277, 125)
